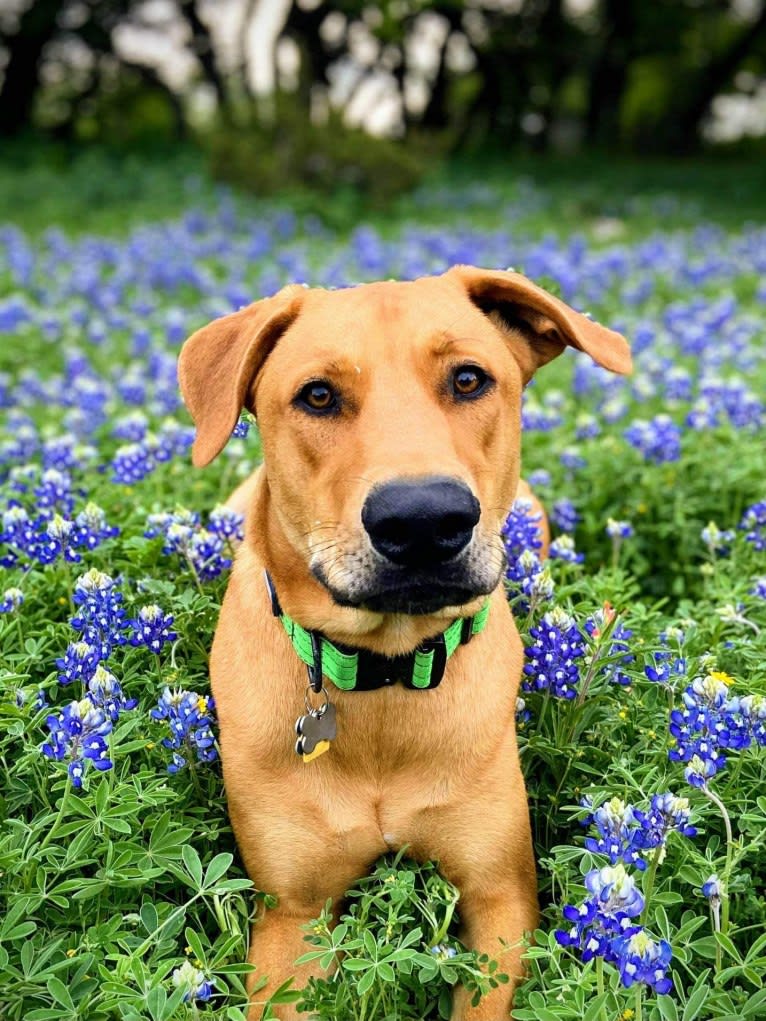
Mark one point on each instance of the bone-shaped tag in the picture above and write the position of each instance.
(315, 731)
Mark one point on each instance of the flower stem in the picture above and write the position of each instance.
(712, 796)
(57, 821)
(649, 884)
(638, 1016)
(600, 985)
(220, 915)
(616, 543)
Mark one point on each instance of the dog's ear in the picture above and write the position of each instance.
(546, 325)
(218, 363)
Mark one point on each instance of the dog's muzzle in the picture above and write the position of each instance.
(420, 523)
(420, 551)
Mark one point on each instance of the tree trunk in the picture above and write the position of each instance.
(683, 129)
(202, 48)
(38, 25)
(609, 78)
(436, 115)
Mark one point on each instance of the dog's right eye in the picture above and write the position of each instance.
(317, 397)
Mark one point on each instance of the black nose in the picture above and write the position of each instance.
(420, 522)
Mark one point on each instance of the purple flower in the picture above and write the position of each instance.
(717, 542)
(614, 891)
(132, 463)
(106, 693)
(101, 617)
(539, 477)
(190, 720)
(226, 522)
(11, 600)
(572, 459)
(641, 959)
(79, 734)
(195, 983)
(618, 650)
(521, 530)
(78, 663)
(528, 583)
(605, 916)
(201, 549)
(563, 548)
(712, 888)
(668, 813)
(564, 515)
(91, 528)
(55, 491)
(152, 628)
(619, 529)
(557, 644)
(619, 834)
(658, 440)
(753, 524)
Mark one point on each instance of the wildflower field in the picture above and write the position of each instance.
(642, 720)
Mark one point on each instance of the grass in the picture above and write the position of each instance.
(109, 191)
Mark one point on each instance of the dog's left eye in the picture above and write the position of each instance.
(317, 396)
(469, 381)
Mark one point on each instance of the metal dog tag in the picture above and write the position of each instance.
(315, 731)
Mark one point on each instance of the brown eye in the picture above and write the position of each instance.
(318, 396)
(469, 381)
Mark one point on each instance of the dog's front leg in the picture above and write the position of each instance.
(304, 866)
(277, 940)
(505, 913)
(483, 844)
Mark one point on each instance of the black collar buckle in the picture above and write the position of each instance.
(315, 669)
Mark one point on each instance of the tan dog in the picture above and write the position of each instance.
(390, 421)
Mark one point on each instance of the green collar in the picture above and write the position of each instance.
(361, 670)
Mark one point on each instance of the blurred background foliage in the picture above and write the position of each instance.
(345, 96)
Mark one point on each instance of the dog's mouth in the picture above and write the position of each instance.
(412, 593)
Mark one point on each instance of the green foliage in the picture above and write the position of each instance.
(379, 948)
(286, 151)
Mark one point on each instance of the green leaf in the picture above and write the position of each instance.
(149, 917)
(20, 931)
(195, 943)
(667, 1007)
(727, 945)
(101, 795)
(755, 1006)
(370, 945)
(695, 1003)
(60, 993)
(365, 982)
(155, 1002)
(595, 1007)
(217, 868)
(667, 897)
(231, 885)
(357, 964)
(543, 1014)
(193, 864)
(117, 824)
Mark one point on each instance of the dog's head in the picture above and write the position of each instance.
(390, 416)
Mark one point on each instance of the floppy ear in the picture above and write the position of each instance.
(218, 363)
(547, 325)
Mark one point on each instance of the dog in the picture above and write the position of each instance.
(390, 418)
